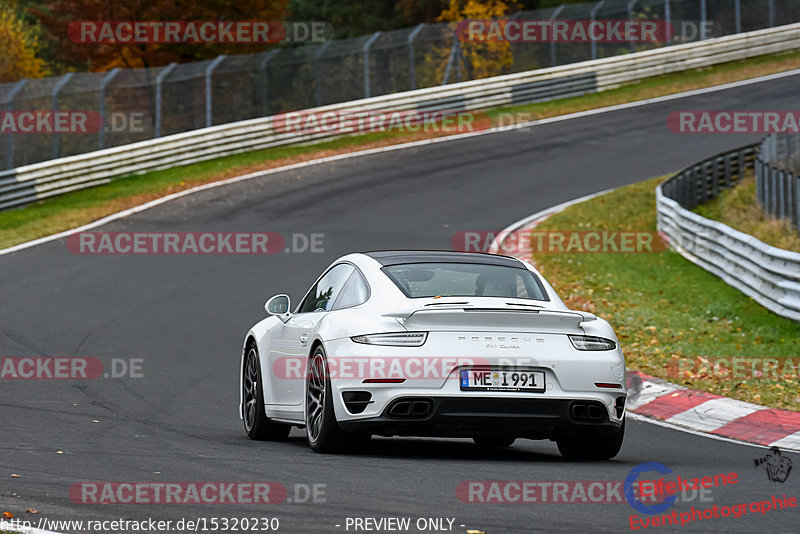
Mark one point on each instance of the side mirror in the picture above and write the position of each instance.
(279, 306)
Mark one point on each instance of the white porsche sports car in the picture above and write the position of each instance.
(427, 343)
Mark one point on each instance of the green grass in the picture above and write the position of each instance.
(74, 209)
(663, 307)
(738, 208)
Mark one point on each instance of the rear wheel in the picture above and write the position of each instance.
(323, 432)
(592, 447)
(256, 423)
(493, 442)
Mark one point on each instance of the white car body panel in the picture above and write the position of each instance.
(527, 334)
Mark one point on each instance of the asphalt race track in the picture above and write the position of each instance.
(185, 317)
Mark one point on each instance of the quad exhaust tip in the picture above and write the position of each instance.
(588, 411)
(410, 408)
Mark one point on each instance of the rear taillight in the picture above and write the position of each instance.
(591, 343)
(393, 339)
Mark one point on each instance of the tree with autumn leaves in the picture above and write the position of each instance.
(19, 57)
(56, 16)
(489, 58)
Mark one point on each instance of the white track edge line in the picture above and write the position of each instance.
(125, 213)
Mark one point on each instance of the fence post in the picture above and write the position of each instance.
(101, 135)
(367, 45)
(10, 107)
(737, 6)
(703, 16)
(592, 15)
(262, 69)
(771, 13)
(55, 143)
(412, 66)
(209, 98)
(450, 60)
(631, 5)
(797, 203)
(668, 19)
(553, 56)
(159, 83)
(318, 72)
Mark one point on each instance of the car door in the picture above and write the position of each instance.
(291, 341)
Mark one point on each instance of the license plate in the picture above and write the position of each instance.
(502, 380)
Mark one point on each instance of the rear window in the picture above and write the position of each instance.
(418, 280)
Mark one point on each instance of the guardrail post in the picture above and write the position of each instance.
(55, 143)
(737, 6)
(553, 56)
(592, 15)
(367, 45)
(412, 64)
(631, 5)
(318, 72)
(209, 98)
(10, 107)
(101, 135)
(262, 69)
(159, 85)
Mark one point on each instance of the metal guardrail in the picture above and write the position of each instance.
(145, 103)
(769, 275)
(777, 180)
(46, 179)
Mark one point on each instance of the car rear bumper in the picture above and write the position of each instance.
(471, 416)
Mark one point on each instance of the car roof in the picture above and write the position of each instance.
(396, 257)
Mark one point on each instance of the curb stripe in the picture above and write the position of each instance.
(672, 404)
(764, 426)
(789, 442)
(714, 414)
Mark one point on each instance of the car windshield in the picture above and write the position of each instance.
(418, 280)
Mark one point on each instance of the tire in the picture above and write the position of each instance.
(492, 442)
(322, 430)
(593, 447)
(256, 423)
